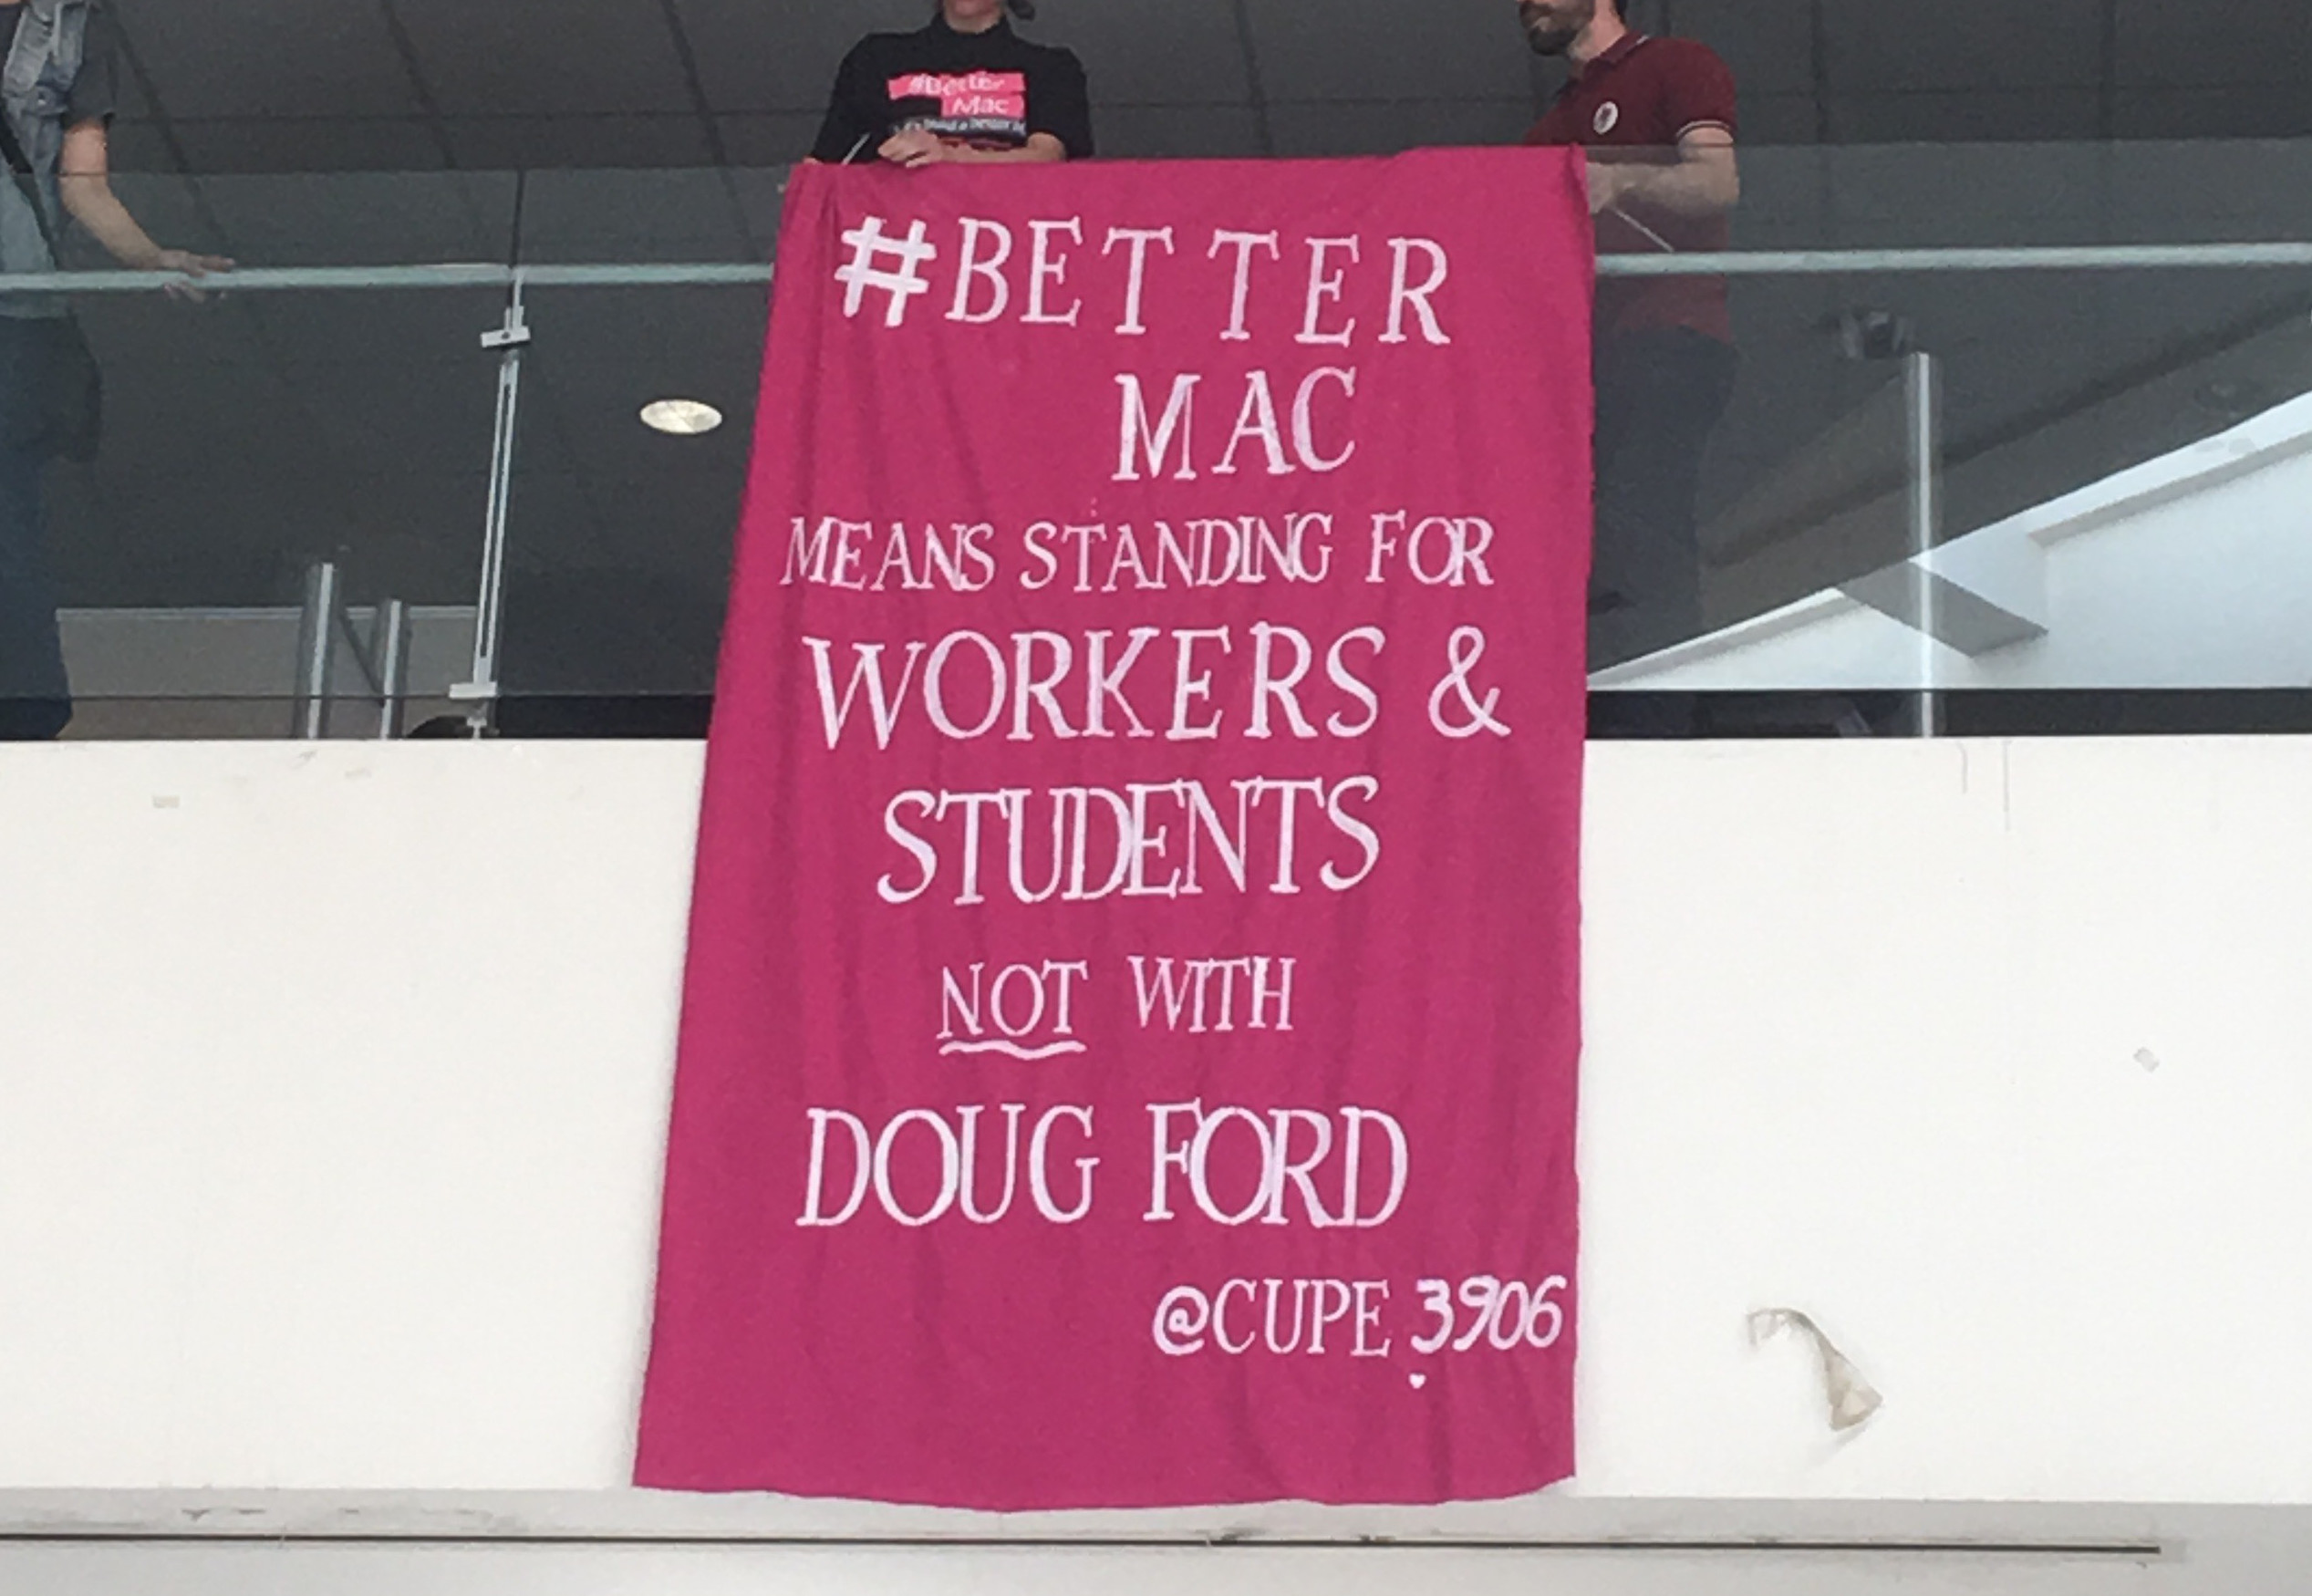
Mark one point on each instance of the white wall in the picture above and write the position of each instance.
(332, 1084)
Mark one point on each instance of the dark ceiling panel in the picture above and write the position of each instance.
(1381, 50)
(1968, 45)
(504, 143)
(1768, 44)
(285, 144)
(2164, 44)
(1385, 127)
(755, 56)
(576, 83)
(1189, 52)
(269, 58)
(540, 58)
(1176, 132)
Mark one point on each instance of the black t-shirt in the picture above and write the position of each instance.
(96, 93)
(993, 90)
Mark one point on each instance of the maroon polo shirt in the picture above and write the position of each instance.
(1636, 101)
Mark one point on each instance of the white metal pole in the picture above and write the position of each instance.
(316, 652)
(511, 337)
(1924, 417)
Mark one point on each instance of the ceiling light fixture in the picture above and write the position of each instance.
(681, 418)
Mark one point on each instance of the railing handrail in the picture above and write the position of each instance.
(2087, 257)
(1814, 263)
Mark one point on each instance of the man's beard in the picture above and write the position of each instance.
(1552, 31)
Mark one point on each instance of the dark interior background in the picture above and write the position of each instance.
(254, 432)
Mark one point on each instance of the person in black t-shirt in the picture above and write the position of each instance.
(965, 89)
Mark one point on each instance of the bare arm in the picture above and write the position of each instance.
(1705, 181)
(916, 147)
(87, 182)
(1040, 148)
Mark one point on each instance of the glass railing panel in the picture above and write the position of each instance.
(331, 219)
(1934, 473)
(250, 444)
(620, 549)
(1945, 195)
(720, 214)
(1915, 416)
(1970, 480)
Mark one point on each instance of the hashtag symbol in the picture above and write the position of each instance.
(868, 245)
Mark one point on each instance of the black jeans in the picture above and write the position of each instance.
(1660, 397)
(35, 704)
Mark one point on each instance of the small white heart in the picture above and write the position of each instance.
(1418, 1381)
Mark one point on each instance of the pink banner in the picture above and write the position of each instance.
(1130, 1045)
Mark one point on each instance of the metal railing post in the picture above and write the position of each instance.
(1924, 508)
(2281, 254)
(316, 652)
(1922, 430)
(510, 337)
(389, 653)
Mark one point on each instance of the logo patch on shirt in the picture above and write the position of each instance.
(1608, 117)
(968, 96)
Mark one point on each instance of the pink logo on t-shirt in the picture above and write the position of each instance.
(971, 95)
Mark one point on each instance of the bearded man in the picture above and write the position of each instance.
(1657, 116)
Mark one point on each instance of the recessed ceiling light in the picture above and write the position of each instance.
(681, 418)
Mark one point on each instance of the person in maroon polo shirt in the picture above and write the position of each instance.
(1658, 117)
